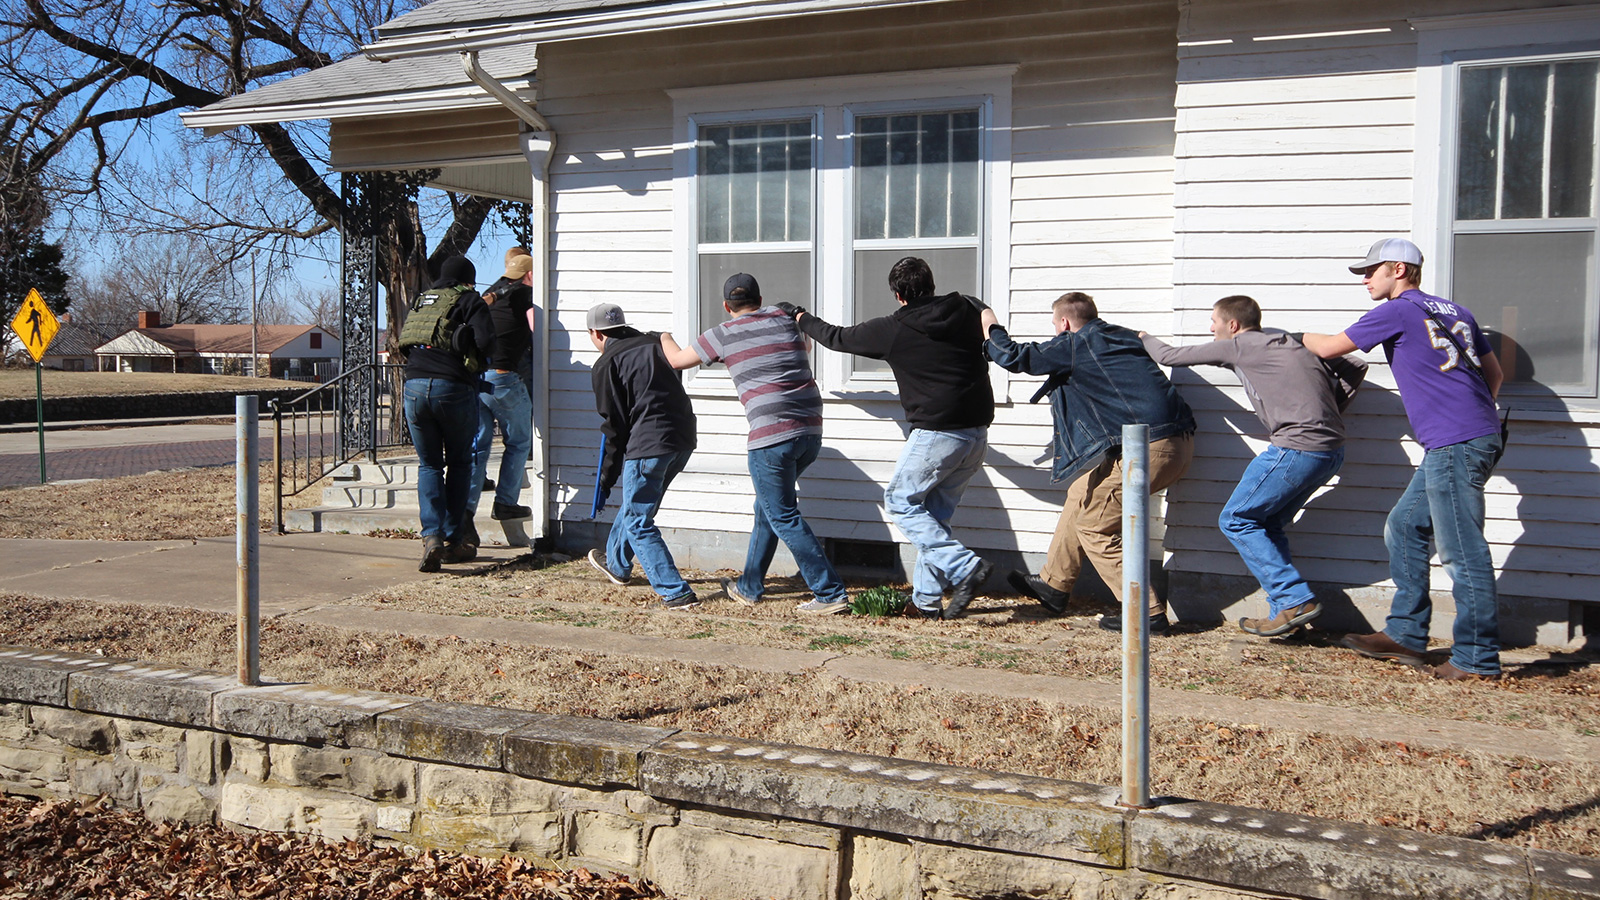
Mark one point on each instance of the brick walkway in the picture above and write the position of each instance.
(113, 462)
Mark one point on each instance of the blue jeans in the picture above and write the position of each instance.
(923, 494)
(443, 417)
(774, 471)
(634, 531)
(1274, 487)
(1444, 504)
(509, 404)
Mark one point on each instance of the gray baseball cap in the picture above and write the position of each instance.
(606, 316)
(1389, 250)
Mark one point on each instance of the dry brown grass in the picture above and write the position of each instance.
(1519, 801)
(158, 506)
(15, 383)
(1010, 633)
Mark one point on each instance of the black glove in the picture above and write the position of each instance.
(789, 309)
(977, 304)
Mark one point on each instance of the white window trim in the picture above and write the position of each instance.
(835, 100)
(1444, 43)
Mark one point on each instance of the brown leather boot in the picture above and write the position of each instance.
(1381, 646)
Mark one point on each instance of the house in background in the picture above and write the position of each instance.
(1156, 154)
(294, 352)
(73, 349)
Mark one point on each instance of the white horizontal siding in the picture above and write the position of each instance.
(1291, 158)
(1091, 210)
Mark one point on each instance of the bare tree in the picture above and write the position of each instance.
(87, 83)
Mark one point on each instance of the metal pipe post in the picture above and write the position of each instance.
(247, 490)
(1135, 616)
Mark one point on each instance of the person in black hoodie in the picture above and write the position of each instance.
(441, 404)
(934, 346)
(649, 430)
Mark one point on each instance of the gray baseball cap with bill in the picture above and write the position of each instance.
(606, 316)
(1389, 250)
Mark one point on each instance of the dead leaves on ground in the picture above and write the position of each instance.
(61, 849)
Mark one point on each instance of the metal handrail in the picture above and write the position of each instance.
(319, 438)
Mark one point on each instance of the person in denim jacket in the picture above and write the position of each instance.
(1100, 379)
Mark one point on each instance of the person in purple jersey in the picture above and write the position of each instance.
(766, 357)
(1448, 378)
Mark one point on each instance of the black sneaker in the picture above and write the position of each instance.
(961, 595)
(432, 553)
(687, 600)
(1159, 623)
(1052, 599)
(503, 511)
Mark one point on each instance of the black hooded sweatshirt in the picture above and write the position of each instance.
(643, 407)
(934, 346)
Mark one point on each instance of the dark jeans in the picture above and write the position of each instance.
(443, 418)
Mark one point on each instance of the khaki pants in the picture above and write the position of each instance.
(1091, 519)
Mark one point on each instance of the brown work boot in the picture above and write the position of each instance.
(1447, 671)
(1381, 646)
(1284, 622)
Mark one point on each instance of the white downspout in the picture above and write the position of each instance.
(539, 145)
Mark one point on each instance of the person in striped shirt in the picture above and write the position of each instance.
(766, 357)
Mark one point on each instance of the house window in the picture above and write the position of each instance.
(918, 192)
(1523, 230)
(316, 340)
(754, 186)
(818, 186)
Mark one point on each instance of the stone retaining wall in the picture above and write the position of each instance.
(134, 406)
(702, 816)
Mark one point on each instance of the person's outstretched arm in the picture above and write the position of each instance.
(1328, 346)
(678, 357)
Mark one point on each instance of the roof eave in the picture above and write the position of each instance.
(608, 23)
(459, 97)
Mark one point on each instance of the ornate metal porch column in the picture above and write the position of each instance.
(358, 318)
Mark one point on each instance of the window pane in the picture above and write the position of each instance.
(1522, 184)
(954, 269)
(902, 176)
(933, 197)
(1535, 291)
(782, 276)
(965, 174)
(713, 178)
(755, 182)
(1572, 139)
(872, 176)
(1478, 140)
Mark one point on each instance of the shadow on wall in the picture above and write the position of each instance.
(1550, 464)
(1337, 539)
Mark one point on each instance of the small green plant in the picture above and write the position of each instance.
(879, 601)
(834, 640)
(699, 634)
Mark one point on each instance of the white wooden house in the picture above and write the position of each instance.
(1157, 155)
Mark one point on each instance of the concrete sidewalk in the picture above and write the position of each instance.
(304, 576)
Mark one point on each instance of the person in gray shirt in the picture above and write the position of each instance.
(1300, 401)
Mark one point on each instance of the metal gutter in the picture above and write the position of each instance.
(539, 149)
(606, 23)
(463, 97)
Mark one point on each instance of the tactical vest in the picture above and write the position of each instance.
(432, 321)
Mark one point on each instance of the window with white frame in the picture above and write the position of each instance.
(1524, 222)
(818, 187)
(918, 192)
(754, 190)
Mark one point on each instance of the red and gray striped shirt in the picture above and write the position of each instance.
(766, 356)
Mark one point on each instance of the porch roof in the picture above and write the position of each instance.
(361, 86)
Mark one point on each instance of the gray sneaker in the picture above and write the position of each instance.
(730, 586)
(826, 608)
(598, 560)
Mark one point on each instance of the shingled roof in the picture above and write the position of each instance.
(186, 340)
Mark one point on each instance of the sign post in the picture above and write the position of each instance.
(36, 325)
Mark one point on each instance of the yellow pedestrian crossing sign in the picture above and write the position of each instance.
(35, 324)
